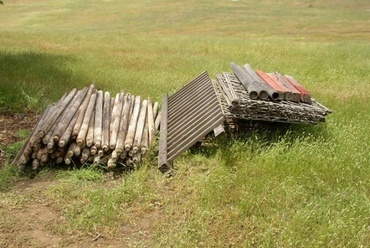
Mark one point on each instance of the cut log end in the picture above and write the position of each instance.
(127, 147)
(62, 143)
(135, 149)
(111, 164)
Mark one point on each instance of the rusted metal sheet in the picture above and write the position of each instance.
(187, 116)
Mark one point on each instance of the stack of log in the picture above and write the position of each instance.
(90, 126)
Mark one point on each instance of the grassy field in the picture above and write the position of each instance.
(293, 186)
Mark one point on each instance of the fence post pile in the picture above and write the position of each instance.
(89, 126)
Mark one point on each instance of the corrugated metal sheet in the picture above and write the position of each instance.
(190, 114)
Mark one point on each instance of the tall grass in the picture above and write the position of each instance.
(281, 186)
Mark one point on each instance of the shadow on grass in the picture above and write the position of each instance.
(34, 79)
(259, 137)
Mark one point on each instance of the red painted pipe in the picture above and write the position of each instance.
(272, 83)
(305, 94)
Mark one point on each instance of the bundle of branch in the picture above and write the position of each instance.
(89, 125)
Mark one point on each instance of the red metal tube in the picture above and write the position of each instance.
(305, 94)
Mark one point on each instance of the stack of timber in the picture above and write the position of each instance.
(90, 126)
(246, 94)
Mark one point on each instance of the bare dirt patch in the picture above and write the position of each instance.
(29, 218)
(10, 126)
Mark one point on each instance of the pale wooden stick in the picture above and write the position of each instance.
(136, 159)
(106, 121)
(140, 127)
(85, 155)
(27, 148)
(68, 114)
(59, 160)
(124, 123)
(111, 164)
(83, 108)
(68, 133)
(48, 136)
(116, 118)
(77, 151)
(155, 109)
(85, 125)
(98, 119)
(97, 159)
(145, 139)
(35, 164)
(90, 131)
(151, 125)
(67, 160)
(158, 121)
(71, 149)
(93, 150)
(132, 126)
(44, 129)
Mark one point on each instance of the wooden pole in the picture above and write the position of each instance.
(158, 120)
(44, 129)
(145, 140)
(124, 123)
(47, 139)
(116, 118)
(106, 121)
(132, 126)
(71, 149)
(68, 114)
(26, 149)
(90, 131)
(98, 119)
(151, 124)
(85, 155)
(83, 108)
(155, 110)
(140, 127)
(68, 133)
(86, 120)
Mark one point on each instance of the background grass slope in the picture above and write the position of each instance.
(287, 186)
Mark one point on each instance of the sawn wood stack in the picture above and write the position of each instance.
(90, 125)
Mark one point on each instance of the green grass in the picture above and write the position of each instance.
(288, 186)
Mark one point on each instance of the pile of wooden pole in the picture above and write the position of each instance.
(89, 125)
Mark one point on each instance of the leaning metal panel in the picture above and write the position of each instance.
(191, 113)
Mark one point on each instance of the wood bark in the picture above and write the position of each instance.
(132, 126)
(151, 124)
(158, 120)
(140, 127)
(55, 115)
(106, 121)
(145, 138)
(155, 110)
(86, 120)
(116, 118)
(124, 124)
(68, 132)
(83, 108)
(98, 119)
(71, 110)
(90, 131)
